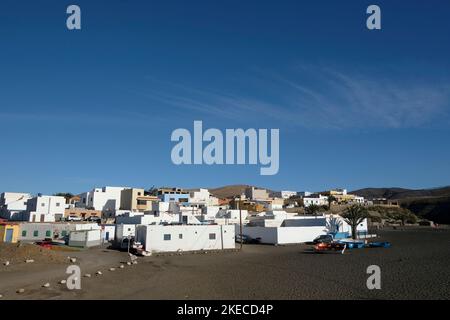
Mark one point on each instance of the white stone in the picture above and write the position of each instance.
(46, 285)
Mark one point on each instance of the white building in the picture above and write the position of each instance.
(12, 204)
(108, 232)
(176, 238)
(280, 227)
(232, 214)
(106, 199)
(336, 223)
(85, 238)
(318, 200)
(288, 194)
(45, 209)
(36, 231)
(359, 200)
(199, 196)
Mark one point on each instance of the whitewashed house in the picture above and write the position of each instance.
(13, 204)
(318, 200)
(288, 194)
(280, 227)
(106, 199)
(45, 208)
(179, 238)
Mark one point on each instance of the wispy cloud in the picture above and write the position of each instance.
(317, 97)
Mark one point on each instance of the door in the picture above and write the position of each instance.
(107, 236)
(9, 235)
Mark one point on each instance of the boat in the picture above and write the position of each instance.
(324, 247)
(380, 244)
(353, 244)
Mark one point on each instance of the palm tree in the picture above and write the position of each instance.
(354, 215)
(330, 200)
(312, 210)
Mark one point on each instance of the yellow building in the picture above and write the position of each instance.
(135, 200)
(9, 232)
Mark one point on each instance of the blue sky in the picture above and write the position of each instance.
(355, 108)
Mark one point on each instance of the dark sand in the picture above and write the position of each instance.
(416, 267)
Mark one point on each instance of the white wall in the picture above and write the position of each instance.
(321, 201)
(103, 199)
(335, 223)
(287, 235)
(45, 208)
(193, 237)
(14, 201)
(124, 230)
(288, 194)
(267, 234)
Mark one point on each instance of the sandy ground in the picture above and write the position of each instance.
(416, 267)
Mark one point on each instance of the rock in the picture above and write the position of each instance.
(99, 273)
(112, 269)
(29, 261)
(122, 266)
(134, 262)
(87, 275)
(46, 285)
(6, 263)
(73, 260)
(128, 263)
(20, 291)
(1, 296)
(63, 282)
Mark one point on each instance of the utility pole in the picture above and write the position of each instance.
(240, 221)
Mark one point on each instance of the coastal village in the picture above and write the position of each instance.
(137, 223)
(178, 220)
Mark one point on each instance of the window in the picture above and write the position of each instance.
(48, 233)
(57, 204)
(167, 237)
(24, 233)
(64, 233)
(212, 236)
(180, 236)
(35, 233)
(42, 204)
(139, 193)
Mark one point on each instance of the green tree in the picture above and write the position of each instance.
(354, 215)
(331, 199)
(313, 210)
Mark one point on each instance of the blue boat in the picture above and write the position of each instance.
(353, 244)
(384, 244)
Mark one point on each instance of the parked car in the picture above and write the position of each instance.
(47, 244)
(324, 238)
(94, 219)
(74, 218)
(247, 239)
